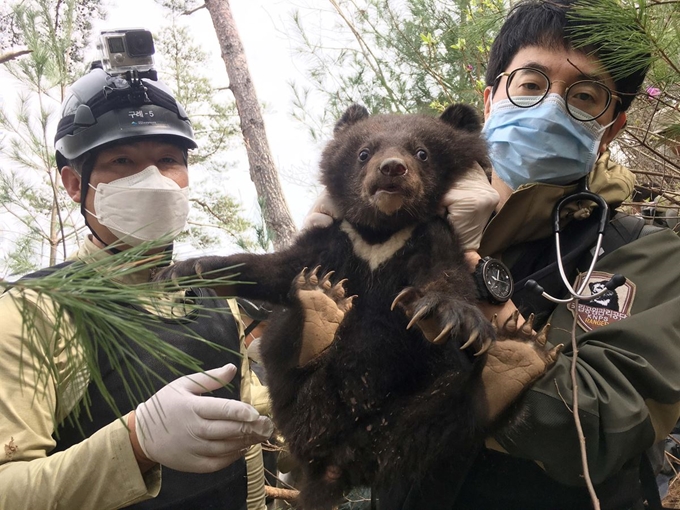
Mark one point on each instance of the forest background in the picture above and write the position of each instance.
(309, 60)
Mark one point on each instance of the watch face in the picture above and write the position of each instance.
(498, 280)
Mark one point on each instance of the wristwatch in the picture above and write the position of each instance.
(493, 280)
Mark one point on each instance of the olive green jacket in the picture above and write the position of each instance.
(628, 371)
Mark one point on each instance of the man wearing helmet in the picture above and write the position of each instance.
(122, 152)
(102, 116)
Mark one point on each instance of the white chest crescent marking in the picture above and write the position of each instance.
(376, 254)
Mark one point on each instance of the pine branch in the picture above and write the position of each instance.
(445, 87)
(84, 308)
(372, 61)
(289, 495)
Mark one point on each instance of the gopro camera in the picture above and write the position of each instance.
(126, 50)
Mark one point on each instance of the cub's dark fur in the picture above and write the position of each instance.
(381, 400)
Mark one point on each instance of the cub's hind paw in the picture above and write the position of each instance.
(324, 306)
(525, 337)
(517, 358)
(440, 317)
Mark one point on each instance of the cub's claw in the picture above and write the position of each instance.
(441, 317)
(554, 352)
(470, 341)
(542, 336)
(510, 325)
(517, 359)
(528, 327)
(486, 343)
(326, 281)
(221, 270)
(180, 270)
(407, 292)
(416, 317)
(445, 332)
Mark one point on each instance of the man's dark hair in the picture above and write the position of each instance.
(550, 24)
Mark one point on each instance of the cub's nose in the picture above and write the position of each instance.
(393, 167)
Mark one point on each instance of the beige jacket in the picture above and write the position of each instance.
(39, 388)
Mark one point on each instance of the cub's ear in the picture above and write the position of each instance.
(462, 116)
(352, 115)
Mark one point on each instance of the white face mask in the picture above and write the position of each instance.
(143, 207)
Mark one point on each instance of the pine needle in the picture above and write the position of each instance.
(620, 33)
(94, 315)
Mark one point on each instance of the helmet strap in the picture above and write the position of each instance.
(88, 166)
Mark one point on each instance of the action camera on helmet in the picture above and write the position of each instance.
(120, 98)
(126, 50)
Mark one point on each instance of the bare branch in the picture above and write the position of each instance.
(577, 419)
(11, 55)
(189, 13)
(284, 494)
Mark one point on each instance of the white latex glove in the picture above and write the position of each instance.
(468, 206)
(184, 431)
(322, 213)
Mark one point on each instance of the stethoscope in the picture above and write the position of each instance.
(577, 294)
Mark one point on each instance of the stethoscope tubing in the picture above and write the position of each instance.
(576, 294)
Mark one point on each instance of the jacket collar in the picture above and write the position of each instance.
(89, 252)
(527, 214)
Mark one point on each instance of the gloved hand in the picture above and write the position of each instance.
(184, 431)
(469, 205)
(322, 213)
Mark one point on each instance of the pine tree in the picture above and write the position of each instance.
(650, 144)
(34, 205)
(424, 54)
(414, 56)
(215, 124)
(263, 171)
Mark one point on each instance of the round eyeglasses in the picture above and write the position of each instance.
(586, 99)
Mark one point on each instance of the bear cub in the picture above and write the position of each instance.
(361, 396)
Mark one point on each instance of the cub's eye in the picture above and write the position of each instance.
(364, 154)
(421, 155)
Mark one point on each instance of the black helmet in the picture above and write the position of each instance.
(102, 108)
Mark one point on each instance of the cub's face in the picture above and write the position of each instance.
(390, 171)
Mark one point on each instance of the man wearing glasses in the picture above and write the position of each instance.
(551, 111)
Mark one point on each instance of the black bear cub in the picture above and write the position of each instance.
(360, 395)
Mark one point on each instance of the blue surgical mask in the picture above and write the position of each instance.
(542, 143)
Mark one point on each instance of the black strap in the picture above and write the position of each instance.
(621, 230)
(110, 98)
(47, 271)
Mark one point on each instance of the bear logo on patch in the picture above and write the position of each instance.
(612, 306)
(609, 300)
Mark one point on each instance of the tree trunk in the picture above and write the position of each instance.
(262, 170)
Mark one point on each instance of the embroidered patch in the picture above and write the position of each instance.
(612, 306)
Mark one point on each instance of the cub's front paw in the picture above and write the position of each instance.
(441, 317)
(324, 306)
(514, 361)
(202, 267)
